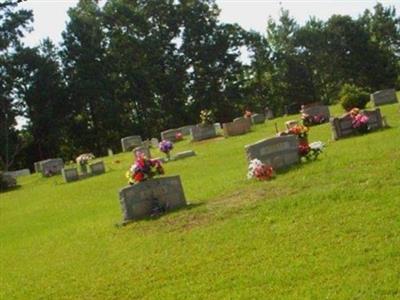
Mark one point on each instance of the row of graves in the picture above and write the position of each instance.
(85, 167)
(147, 196)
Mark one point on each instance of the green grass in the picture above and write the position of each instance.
(327, 229)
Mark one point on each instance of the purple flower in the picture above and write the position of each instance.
(165, 146)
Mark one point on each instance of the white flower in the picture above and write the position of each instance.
(317, 145)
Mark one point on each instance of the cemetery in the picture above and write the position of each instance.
(162, 150)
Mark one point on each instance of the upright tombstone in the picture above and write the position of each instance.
(144, 150)
(384, 97)
(279, 152)
(51, 166)
(130, 142)
(258, 119)
(199, 133)
(110, 152)
(70, 174)
(143, 199)
(18, 173)
(185, 130)
(238, 126)
(37, 166)
(7, 181)
(170, 135)
(268, 113)
(97, 168)
(317, 110)
(217, 126)
(154, 142)
(342, 126)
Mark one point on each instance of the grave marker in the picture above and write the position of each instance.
(170, 135)
(199, 133)
(258, 119)
(130, 142)
(279, 152)
(342, 126)
(70, 174)
(238, 126)
(51, 166)
(97, 168)
(384, 97)
(141, 200)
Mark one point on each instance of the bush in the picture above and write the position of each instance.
(352, 96)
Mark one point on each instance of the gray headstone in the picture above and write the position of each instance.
(184, 154)
(342, 126)
(217, 126)
(238, 126)
(185, 130)
(7, 180)
(139, 201)
(51, 166)
(142, 149)
(110, 152)
(70, 174)
(384, 97)
(154, 142)
(18, 173)
(317, 110)
(258, 119)
(170, 135)
(97, 168)
(37, 166)
(268, 113)
(279, 152)
(130, 142)
(199, 133)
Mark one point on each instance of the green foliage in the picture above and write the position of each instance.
(239, 238)
(352, 96)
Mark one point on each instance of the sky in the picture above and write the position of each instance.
(50, 16)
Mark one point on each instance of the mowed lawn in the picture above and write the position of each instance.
(326, 229)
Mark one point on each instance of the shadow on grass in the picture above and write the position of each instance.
(159, 215)
(9, 190)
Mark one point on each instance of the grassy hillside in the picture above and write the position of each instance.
(327, 229)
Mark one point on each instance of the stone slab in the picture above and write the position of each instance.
(144, 150)
(19, 173)
(237, 127)
(139, 201)
(279, 152)
(97, 168)
(184, 154)
(70, 174)
(51, 166)
(185, 130)
(342, 126)
(258, 119)
(199, 133)
(317, 110)
(170, 135)
(384, 97)
(130, 142)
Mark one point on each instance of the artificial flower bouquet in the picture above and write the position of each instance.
(206, 117)
(309, 152)
(247, 114)
(83, 159)
(359, 120)
(166, 146)
(259, 170)
(178, 136)
(144, 169)
(300, 130)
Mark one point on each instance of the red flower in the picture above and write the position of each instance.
(138, 177)
(304, 148)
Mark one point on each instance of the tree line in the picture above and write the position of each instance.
(142, 66)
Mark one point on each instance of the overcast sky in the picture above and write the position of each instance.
(51, 15)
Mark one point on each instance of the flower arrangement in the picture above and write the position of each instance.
(300, 130)
(309, 120)
(179, 136)
(166, 147)
(144, 169)
(359, 120)
(311, 151)
(259, 170)
(83, 159)
(247, 114)
(206, 117)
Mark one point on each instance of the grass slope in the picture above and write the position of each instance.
(327, 229)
